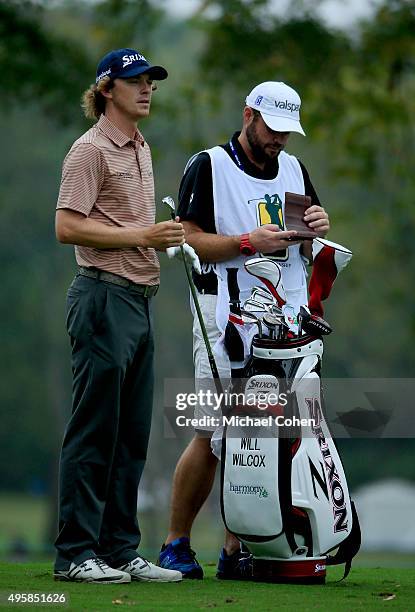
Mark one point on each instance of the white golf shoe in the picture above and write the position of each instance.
(143, 570)
(93, 570)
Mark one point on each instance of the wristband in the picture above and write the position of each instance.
(245, 247)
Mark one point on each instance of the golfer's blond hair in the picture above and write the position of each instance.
(93, 102)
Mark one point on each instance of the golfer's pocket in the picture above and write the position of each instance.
(99, 308)
(85, 311)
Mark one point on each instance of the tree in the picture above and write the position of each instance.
(36, 64)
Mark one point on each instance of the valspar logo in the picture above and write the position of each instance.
(289, 106)
(248, 490)
(129, 59)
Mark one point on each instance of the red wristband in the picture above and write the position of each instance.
(245, 247)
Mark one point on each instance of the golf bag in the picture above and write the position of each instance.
(284, 493)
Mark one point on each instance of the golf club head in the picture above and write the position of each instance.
(254, 306)
(268, 272)
(262, 295)
(276, 310)
(168, 200)
(271, 321)
(248, 317)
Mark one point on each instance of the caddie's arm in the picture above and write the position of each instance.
(214, 247)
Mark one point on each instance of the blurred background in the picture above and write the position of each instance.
(353, 64)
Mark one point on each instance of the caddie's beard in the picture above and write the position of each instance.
(257, 148)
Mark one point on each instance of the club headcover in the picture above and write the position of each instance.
(290, 318)
(329, 259)
(313, 324)
(269, 273)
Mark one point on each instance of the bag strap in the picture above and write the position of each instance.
(349, 547)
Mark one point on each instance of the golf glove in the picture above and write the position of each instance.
(189, 253)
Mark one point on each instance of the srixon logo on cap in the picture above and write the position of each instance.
(129, 59)
(293, 108)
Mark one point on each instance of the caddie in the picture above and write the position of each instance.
(231, 203)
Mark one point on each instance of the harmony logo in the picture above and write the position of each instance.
(249, 490)
(129, 59)
(285, 105)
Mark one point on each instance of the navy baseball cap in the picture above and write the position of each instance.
(124, 63)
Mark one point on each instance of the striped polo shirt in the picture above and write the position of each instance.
(109, 177)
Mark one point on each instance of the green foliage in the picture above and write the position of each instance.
(135, 23)
(244, 47)
(34, 63)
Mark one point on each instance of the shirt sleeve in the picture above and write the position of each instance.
(196, 194)
(82, 178)
(308, 186)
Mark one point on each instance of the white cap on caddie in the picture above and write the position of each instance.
(279, 106)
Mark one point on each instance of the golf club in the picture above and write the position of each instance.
(253, 306)
(262, 295)
(168, 200)
(271, 322)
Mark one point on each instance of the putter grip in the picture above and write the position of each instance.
(295, 206)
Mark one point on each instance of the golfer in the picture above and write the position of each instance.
(106, 209)
(231, 202)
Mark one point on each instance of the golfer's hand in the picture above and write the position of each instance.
(189, 253)
(269, 238)
(162, 235)
(317, 218)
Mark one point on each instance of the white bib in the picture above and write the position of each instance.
(242, 203)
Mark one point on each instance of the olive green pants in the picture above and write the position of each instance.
(105, 443)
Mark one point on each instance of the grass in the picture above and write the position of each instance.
(364, 589)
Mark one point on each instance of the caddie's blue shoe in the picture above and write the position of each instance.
(237, 566)
(179, 556)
